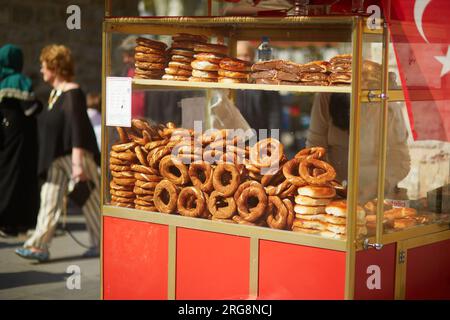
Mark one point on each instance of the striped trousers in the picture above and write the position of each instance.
(53, 193)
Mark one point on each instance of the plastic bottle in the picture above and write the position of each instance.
(264, 50)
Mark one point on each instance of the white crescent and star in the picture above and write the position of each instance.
(419, 10)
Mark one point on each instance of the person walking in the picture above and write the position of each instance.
(18, 145)
(68, 154)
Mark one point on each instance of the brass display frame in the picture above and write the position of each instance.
(278, 29)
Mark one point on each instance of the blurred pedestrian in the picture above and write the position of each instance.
(19, 201)
(68, 155)
(94, 108)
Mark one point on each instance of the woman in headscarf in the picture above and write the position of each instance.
(19, 200)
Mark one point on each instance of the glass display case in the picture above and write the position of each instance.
(206, 176)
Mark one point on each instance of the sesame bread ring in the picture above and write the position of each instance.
(267, 153)
(144, 169)
(208, 47)
(145, 198)
(147, 177)
(245, 185)
(127, 155)
(233, 74)
(231, 80)
(141, 155)
(291, 172)
(197, 79)
(289, 192)
(166, 196)
(226, 179)
(277, 213)
(116, 167)
(115, 186)
(313, 152)
(122, 174)
(174, 170)
(174, 77)
(321, 179)
(180, 65)
(148, 65)
(122, 200)
(148, 50)
(153, 144)
(180, 58)
(189, 37)
(177, 72)
(123, 137)
(148, 185)
(233, 64)
(220, 206)
(191, 202)
(182, 52)
(291, 213)
(252, 204)
(142, 191)
(119, 162)
(201, 175)
(204, 66)
(122, 193)
(142, 202)
(124, 181)
(154, 157)
(151, 43)
(123, 146)
(147, 57)
(209, 56)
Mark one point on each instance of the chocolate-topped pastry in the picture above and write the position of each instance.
(314, 76)
(266, 65)
(340, 78)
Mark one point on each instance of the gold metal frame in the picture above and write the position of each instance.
(401, 266)
(340, 28)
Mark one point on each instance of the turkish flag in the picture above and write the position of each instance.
(420, 31)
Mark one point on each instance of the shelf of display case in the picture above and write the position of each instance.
(161, 84)
(243, 28)
(226, 228)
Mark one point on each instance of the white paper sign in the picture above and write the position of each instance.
(118, 101)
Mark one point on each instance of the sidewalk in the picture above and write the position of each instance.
(26, 279)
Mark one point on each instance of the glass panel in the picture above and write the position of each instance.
(286, 192)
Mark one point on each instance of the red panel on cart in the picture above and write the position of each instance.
(135, 257)
(375, 273)
(289, 271)
(212, 265)
(428, 271)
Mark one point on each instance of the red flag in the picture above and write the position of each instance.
(421, 37)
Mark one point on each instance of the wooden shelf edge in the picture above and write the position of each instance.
(145, 83)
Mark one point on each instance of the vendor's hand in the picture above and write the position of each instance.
(78, 173)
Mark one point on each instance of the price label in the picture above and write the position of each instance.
(118, 101)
